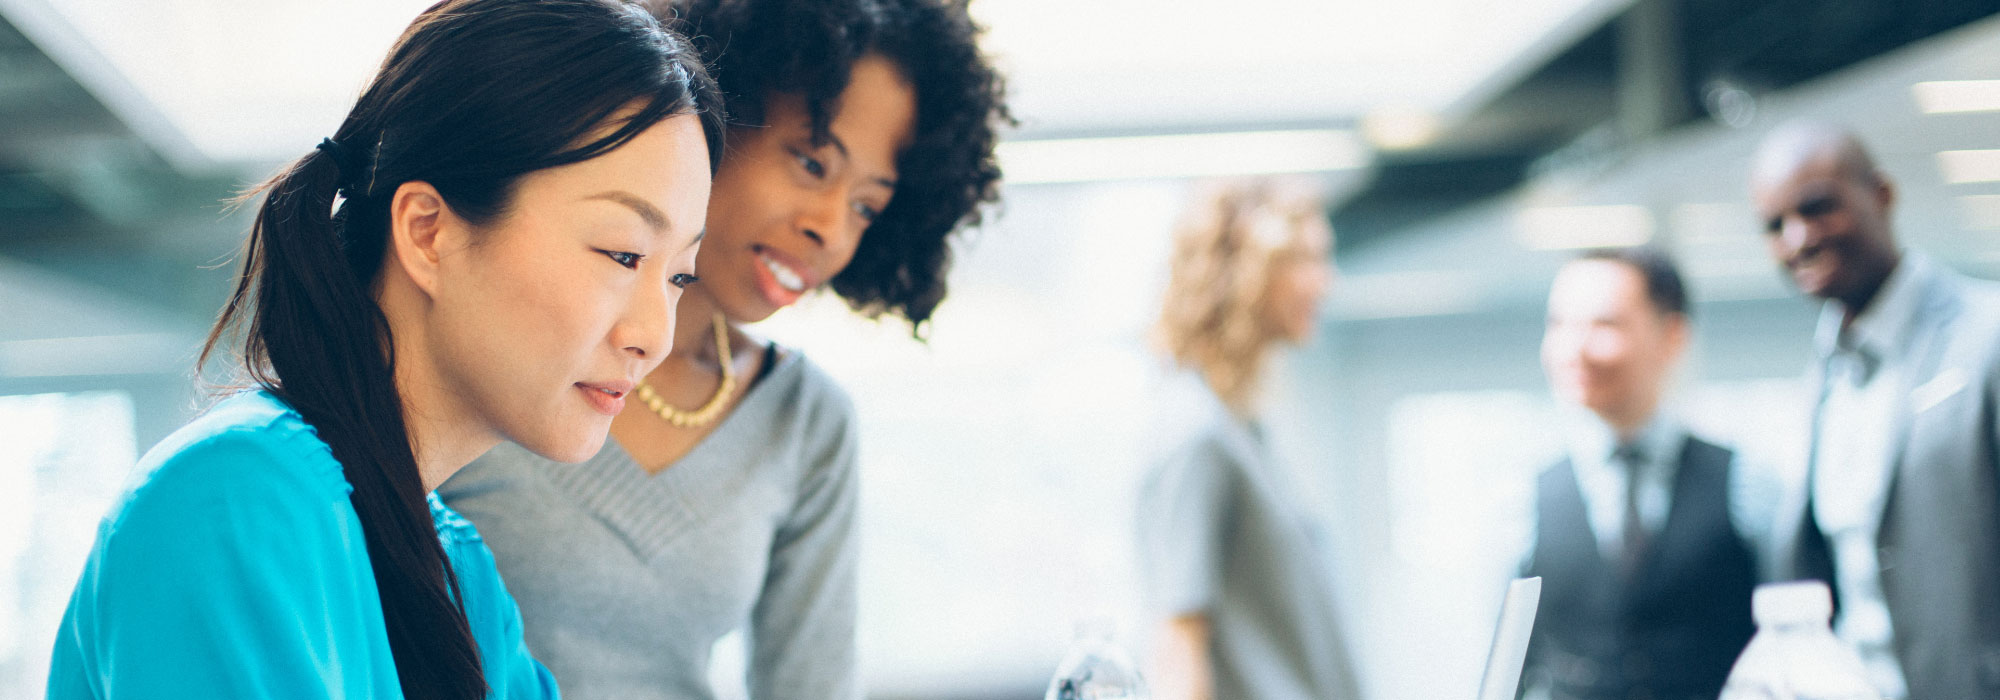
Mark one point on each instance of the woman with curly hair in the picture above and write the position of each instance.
(1226, 556)
(862, 140)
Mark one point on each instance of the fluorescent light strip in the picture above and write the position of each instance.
(1955, 96)
(1398, 129)
(1961, 167)
(1181, 155)
(1577, 227)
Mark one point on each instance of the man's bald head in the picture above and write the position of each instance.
(1825, 211)
(1797, 145)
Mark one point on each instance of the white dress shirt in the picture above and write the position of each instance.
(1854, 458)
(1604, 479)
(1753, 488)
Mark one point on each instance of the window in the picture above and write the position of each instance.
(63, 458)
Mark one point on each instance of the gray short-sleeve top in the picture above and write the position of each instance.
(1220, 535)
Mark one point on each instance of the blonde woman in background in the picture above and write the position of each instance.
(1230, 571)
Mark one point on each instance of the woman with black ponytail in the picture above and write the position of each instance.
(489, 248)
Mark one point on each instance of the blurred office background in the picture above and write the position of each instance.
(1470, 148)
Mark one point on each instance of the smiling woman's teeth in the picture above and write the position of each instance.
(784, 275)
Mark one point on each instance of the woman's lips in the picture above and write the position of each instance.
(785, 275)
(780, 278)
(607, 398)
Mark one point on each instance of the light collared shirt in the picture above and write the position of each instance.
(1853, 459)
(1603, 479)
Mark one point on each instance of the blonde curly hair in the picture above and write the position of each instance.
(1225, 248)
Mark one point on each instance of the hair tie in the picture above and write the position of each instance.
(343, 160)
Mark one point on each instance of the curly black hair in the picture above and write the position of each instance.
(945, 176)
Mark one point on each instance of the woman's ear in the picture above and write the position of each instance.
(421, 229)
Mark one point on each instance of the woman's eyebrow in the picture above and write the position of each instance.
(840, 146)
(651, 214)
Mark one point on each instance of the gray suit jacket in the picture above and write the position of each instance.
(1939, 543)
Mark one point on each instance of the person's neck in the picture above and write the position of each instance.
(1628, 425)
(694, 331)
(1856, 304)
(443, 437)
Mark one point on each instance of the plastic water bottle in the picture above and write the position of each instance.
(1794, 655)
(1096, 669)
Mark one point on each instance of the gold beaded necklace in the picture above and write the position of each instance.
(709, 411)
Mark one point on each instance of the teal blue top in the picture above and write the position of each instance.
(234, 567)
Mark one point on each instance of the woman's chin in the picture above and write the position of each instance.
(577, 444)
(749, 308)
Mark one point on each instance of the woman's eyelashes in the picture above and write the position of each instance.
(817, 170)
(813, 166)
(629, 260)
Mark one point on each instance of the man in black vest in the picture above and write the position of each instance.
(1646, 562)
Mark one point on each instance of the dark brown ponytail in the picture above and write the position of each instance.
(475, 94)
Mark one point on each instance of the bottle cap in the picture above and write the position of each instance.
(1793, 603)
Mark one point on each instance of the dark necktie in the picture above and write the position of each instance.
(1628, 459)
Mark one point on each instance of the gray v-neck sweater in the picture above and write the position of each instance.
(626, 579)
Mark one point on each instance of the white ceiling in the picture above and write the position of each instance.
(260, 81)
(1140, 65)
